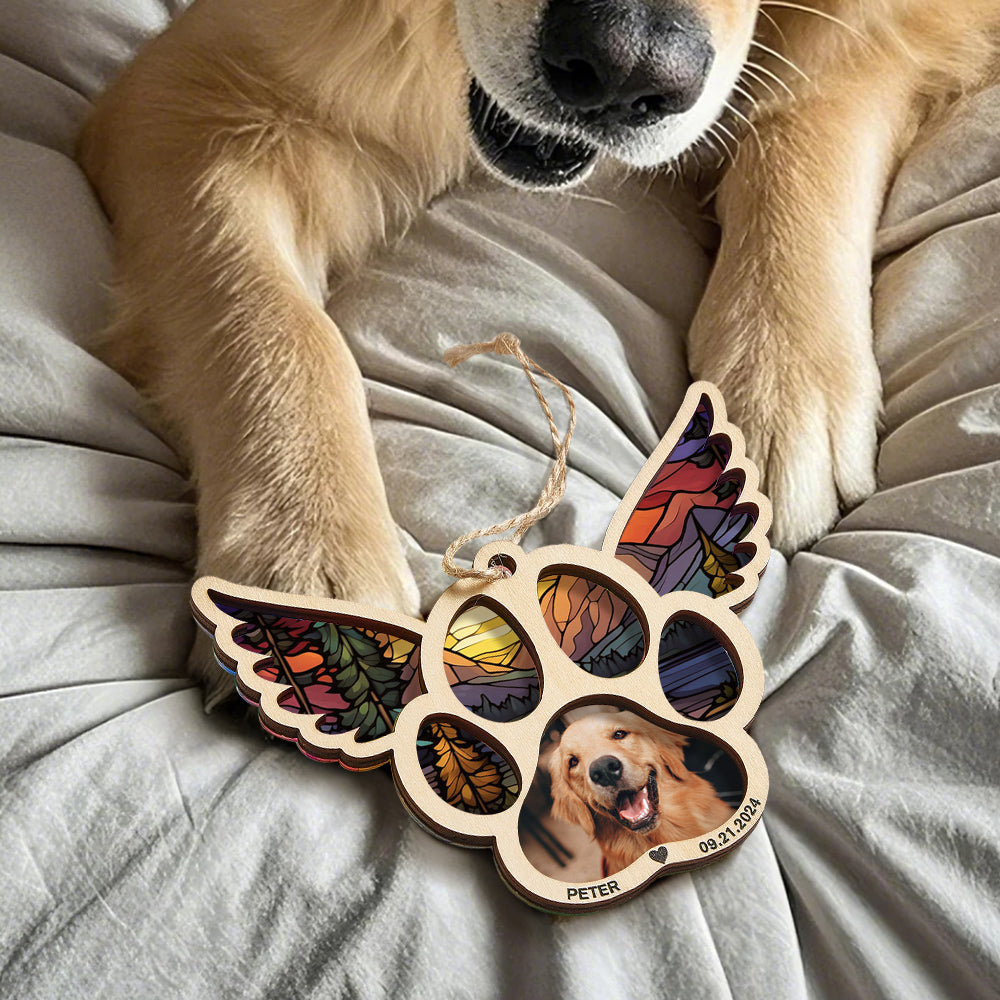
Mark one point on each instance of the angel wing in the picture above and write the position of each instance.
(693, 521)
(335, 677)
(350, 668)
(694, 518)
(358, 671)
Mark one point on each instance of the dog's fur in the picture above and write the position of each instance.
(260, 148)
(688, 804)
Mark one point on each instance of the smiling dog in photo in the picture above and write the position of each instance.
(259, 150)
(624, 781)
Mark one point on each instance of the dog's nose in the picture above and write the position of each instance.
(625, 62)
(606, 771)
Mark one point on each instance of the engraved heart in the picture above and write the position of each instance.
(659, 855)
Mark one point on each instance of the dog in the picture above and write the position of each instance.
(624, 782)
(260, 149)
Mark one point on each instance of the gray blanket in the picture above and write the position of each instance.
(150, 850)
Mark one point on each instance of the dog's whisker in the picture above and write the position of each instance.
(784, 59)
(750, 125)
(492, 114)
(726, 131)
(722, 150)
(514, 136)
(747, 95)
(484, 113)
(592, 200)
(753, 78)
(720, 146)
(776, 26)
(705, 140)
(754, 68)
(818, 13)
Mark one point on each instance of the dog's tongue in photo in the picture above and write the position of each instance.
(634, 80)
(636, 808)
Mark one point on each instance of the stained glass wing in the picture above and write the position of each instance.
(694, 519)
(355, 674)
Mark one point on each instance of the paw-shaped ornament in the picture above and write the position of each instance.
(584, 715)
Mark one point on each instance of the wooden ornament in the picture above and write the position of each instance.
(625, 671)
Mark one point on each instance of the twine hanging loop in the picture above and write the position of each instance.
(555, 488)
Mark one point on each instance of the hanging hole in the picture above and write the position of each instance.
(507, 565)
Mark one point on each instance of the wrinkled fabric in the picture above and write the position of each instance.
(150, 850)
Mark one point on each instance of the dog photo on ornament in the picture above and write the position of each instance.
(611, 786)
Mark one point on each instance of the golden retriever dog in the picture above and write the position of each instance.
(623, 780)
(261, 149)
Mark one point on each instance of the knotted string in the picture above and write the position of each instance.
(554, 489)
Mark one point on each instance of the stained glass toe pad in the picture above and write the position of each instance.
(491, 669)
(596, 626)
(697, 673)
(464, 770)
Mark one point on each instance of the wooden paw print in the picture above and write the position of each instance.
(584, 716)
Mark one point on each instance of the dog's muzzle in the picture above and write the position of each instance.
(607, 70)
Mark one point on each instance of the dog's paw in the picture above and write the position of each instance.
(374, 572)
(810, 417)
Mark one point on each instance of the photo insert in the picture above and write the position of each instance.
(611, 786)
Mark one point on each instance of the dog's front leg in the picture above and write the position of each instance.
(221, 278)
(785, 325)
